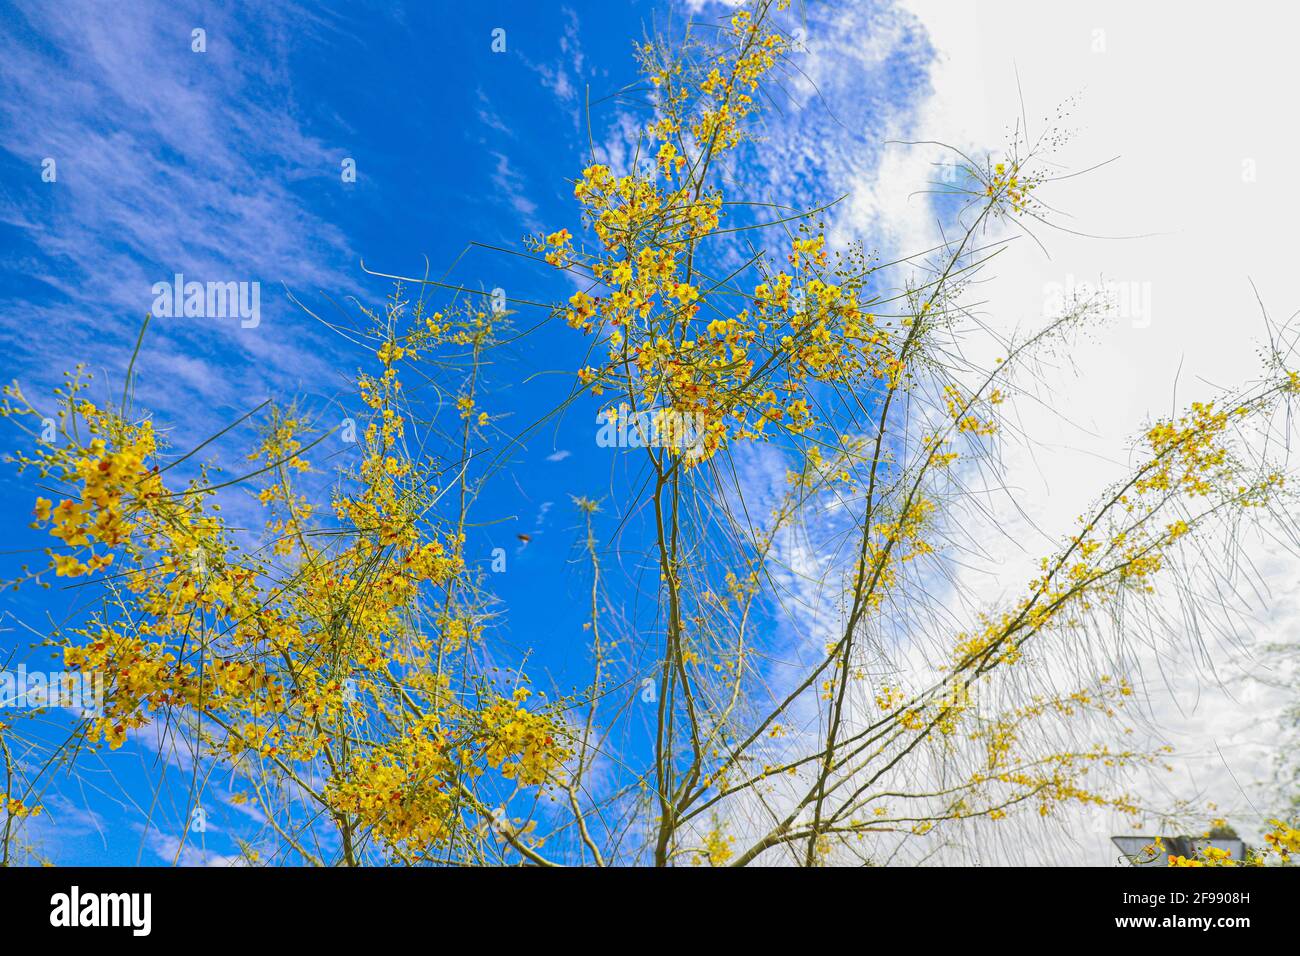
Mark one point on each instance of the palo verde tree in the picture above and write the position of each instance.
(793, 672)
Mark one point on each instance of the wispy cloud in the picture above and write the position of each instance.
(512, 190)
(563, 75)
(171, 850)
(167, 160)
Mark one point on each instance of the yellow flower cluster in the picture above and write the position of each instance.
(310, 651)
(1279, 845)
(749, 368)
(1008, 186)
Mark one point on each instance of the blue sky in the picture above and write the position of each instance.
(225, 165)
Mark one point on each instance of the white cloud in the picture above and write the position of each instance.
(167, 161)
(172, 851)
(563, 77)
(1188, 139)
(1185, 135)
(510, 183)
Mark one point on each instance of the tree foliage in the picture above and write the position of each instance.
(798, 671)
